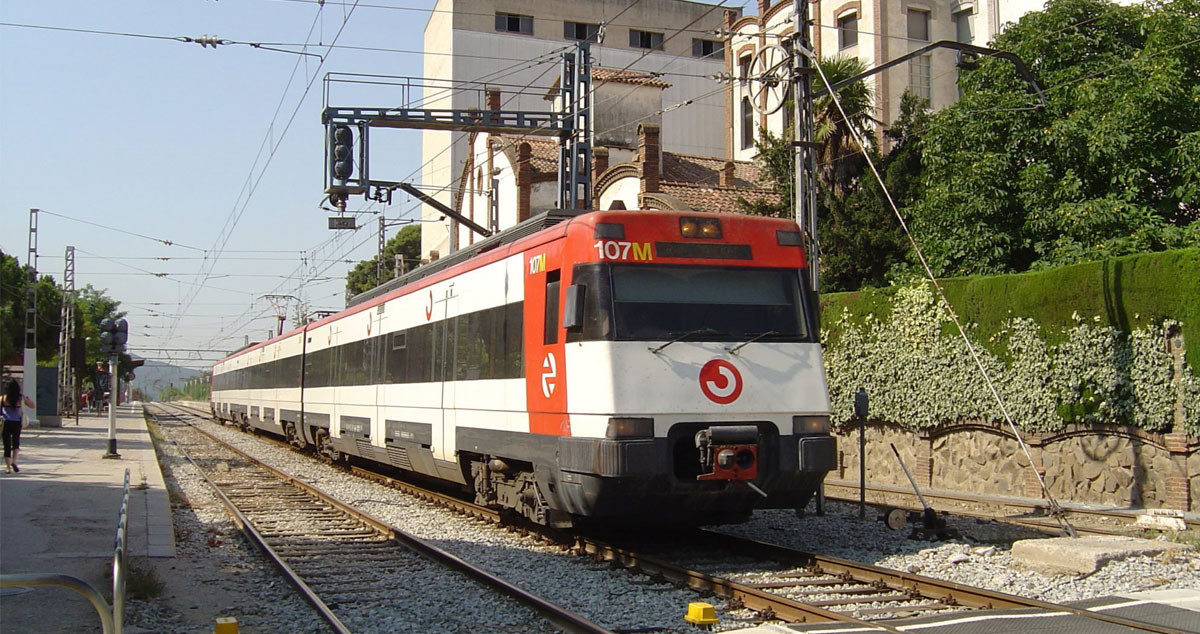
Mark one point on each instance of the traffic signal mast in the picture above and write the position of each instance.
(114, 333)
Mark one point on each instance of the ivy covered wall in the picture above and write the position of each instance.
(1080, 344)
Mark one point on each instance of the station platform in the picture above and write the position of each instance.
(58, 515)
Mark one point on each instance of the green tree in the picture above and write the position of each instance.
(91, 307)
(1108, 167)
(840, 161)
(14, 280)
(406, 244)
(860, 239)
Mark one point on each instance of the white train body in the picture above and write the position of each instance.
(661, 378)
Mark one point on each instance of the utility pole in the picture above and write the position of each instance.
(30, 360)
(805, 148)
(67, 401)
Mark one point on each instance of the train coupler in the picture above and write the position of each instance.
(729, 453)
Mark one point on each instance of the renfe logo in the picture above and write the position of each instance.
(720, 381)
(548, 376)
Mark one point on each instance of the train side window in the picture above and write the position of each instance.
(551, 322)
(399, 340)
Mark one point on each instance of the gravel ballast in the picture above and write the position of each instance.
(613, 598)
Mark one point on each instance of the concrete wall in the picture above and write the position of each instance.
(1120, 467)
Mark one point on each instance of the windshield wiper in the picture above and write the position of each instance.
(734, 350)
(690, 333)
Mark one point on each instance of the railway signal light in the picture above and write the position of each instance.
(114, 333)
(341, 156)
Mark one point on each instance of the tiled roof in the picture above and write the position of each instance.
(543, 152)
(686, 168)
(714, 199)
(634, 77)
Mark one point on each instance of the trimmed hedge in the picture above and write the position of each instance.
(1127, 293)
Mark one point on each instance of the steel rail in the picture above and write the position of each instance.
(553, 613)
(776, 606)
(926, 586)
(986, 500)
(257, 539)
(772, 605)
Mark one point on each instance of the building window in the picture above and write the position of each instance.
(963, 23)
(708, 49)
(847, 27)
(645, 39)
(513, 23)
(747, 124)
(919, 76)
(744, 69)
(581, 31)
(918, 25)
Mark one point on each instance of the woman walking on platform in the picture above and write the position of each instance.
(10, 408)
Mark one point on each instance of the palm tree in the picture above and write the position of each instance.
(839, 159)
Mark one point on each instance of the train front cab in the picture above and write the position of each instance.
(682, 373)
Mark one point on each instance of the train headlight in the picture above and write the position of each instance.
(709, 228)
(810, 424)
(619, 428)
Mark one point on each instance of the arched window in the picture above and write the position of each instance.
(747, 124)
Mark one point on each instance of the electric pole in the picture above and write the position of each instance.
(67, 402)
(805, 146)
(30, 360)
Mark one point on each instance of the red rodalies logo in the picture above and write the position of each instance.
(720, 381)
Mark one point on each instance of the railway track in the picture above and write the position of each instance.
(800, 587)
(1032, 514)
(779, 583)
(348, 565)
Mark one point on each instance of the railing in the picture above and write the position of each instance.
(118, 569)
(111, 619)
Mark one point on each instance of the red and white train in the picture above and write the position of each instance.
(658, 366)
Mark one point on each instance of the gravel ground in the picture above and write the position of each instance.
(613, 598)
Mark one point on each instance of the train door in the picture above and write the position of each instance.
(545, 367)
(445, 348)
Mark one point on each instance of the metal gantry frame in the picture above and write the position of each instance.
(575, 140)
(571, 123)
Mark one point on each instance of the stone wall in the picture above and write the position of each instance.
(1109, 466)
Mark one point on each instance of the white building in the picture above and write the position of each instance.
(630, 168)
(484, 41)
(875, 31)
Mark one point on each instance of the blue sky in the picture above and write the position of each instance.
(165, 138)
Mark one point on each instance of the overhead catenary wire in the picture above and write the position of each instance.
(235, 214)
(205, 41)
(170, 243)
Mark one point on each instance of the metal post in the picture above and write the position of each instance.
(29, 380)
(860, 412)
(382, 243)
(805, 155)
(113, 386)
(575, 152)
(68, 400)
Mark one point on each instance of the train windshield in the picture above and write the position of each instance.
(700, 303)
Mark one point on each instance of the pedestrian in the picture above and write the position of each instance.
(10, 408)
